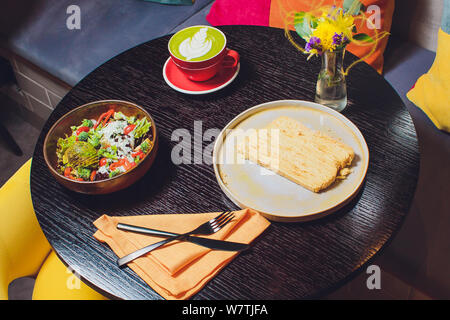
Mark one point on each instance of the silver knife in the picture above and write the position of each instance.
(205, 242)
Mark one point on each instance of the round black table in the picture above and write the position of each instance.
(290, 260)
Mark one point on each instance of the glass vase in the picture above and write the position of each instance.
(331, 89)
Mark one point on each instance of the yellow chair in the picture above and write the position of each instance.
(24, 250)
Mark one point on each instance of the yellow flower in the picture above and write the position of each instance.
(344, 23)
(325, 31)
(331, 23)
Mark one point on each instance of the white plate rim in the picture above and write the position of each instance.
(238, 67)
(267, 105)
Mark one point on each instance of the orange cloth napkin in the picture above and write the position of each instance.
(179, 269)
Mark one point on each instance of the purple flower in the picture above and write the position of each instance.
(339, 39)
(313, 43)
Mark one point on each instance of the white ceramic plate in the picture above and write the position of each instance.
(249, 185)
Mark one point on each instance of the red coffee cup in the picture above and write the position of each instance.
(206, 69)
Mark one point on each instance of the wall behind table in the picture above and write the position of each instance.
(418, 21)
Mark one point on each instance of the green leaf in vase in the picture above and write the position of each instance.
(352, 7)
(304, 24)
(298, 17)
(363, 37)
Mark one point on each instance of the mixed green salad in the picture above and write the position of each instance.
(104, 148)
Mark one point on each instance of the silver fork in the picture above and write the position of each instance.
(207, 228)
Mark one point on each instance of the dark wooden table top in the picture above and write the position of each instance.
(290, 260)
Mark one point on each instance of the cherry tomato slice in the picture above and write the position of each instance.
(129, 128)
(103, 162)
(99, 119)
(67, 172)
(107, 116)
(82, 129)
(138, 153)
(113, 166)
(127, 164)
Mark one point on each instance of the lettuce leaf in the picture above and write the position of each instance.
(142, 127)
(62, 145)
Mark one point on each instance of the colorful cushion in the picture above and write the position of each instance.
(272, 12)
(235, 12)
(173, 2)
(431, 92)
(57, 282)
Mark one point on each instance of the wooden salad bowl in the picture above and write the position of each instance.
(92, 110)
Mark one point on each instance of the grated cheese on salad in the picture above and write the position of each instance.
(120, 143)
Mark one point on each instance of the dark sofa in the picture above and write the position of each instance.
(37, 31)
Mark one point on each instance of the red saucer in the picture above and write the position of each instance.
(179, 81)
